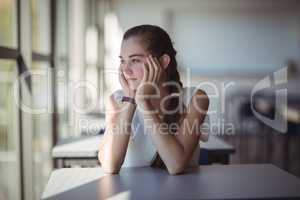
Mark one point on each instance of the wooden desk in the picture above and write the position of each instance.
(83, 151)
(78, 152)
(252, 181)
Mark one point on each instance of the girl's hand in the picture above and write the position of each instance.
(150, 84)
(125, 85)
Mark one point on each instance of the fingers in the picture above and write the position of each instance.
(122, 79)
(158, 70)
(121, 76)
(151, 71)
(154, 68)
(146, 72)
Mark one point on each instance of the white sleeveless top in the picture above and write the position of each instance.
(141, 150)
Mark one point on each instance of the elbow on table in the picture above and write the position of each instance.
(176, 170)
(111, 170)
(109, 167)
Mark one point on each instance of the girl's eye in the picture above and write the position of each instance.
(135, 60)
(122, 61)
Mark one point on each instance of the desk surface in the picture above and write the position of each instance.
(252, 181)
(88, 147)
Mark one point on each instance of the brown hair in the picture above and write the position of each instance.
(157, 41)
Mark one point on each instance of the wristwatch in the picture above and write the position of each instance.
(128, 99)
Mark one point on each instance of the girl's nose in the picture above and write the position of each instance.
(127, 70)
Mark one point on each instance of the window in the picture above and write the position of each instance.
(42, 124)
(10, 156)
(25, 137)
(8, 23)
(42, 85)
(9, 133)
(40, 23)
(62, 69)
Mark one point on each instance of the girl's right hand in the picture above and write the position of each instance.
(125, 85)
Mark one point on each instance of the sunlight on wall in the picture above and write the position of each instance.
(91, 45)
(112, 40)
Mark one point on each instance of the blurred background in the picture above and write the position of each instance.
(60, 57)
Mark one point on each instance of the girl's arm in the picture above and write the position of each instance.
(112, 150)
(177, 150)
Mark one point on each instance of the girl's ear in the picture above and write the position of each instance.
(165, 60)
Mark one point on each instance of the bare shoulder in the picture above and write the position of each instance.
(201, 97)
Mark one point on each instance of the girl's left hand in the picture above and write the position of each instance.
(151, 82)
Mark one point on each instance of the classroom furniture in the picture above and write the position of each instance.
(83, 152)
(248, 181)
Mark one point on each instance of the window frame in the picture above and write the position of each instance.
(16, 54)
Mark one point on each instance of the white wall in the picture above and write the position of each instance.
(225, 43)
(223, 37)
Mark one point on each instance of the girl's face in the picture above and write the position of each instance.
(132, 57)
